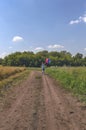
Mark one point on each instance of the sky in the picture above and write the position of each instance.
(36, 25)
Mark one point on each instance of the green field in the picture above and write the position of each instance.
(71, 78)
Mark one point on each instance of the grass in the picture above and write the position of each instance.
(11, 77)
(5, 72)
(71, 78)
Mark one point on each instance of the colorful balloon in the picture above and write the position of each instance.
(47, 61)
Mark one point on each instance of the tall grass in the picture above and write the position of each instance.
(5, 72)
(72, 78)
(11, 76)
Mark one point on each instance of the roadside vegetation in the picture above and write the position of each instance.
(11, 76)
(5, 72)
(72, 78)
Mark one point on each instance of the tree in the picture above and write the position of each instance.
(1, 60)
(29, 59)
(78, 56)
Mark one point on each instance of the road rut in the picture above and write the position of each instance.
(40, 104)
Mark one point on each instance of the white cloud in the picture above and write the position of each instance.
(10, 47)
(3, 54)
(85, 49)
(17, 39)
(83, 18)
(79, 20)
(55, 46)
(74, 21)
(38, 48)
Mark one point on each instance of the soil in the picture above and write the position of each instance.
(39, 103)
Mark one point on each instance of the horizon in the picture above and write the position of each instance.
(72, 55)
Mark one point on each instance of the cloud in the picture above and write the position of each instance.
(10, 47)
(3, 54)
(74, 22)
(17, 39)
(55, 46)
(79, 20)
(38, 48)
(84, 49)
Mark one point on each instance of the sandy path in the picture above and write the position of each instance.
(40, 104)
(63, 111)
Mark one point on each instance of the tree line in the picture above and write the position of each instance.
(30, 59)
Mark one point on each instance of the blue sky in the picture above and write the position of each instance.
(35, 25)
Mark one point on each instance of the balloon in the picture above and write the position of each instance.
(47, 61)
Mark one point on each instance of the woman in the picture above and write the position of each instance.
(43, 67)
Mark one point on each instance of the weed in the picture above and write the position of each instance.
(72, 78)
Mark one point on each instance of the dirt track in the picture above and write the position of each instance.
(40, 104)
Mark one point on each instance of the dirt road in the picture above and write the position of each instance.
(40, 104)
